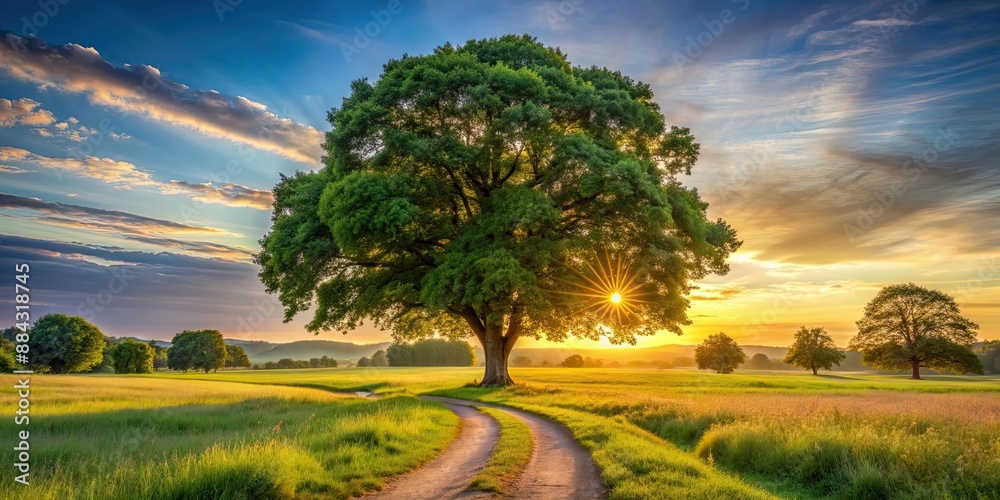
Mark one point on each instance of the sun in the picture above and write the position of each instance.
(602, 288)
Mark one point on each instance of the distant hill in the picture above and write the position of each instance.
(262, 352)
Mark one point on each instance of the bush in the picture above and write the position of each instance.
(574, 361)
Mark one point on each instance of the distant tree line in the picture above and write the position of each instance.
(942, 342)
(289, 363)
(431, 352)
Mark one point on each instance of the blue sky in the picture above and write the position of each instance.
(852, 144)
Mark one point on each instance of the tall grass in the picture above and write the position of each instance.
(119, 437)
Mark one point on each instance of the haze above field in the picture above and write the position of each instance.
(806, 113)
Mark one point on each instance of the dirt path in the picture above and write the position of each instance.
(559, 468)
(448, 475)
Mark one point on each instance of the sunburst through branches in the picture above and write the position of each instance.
(608, 287)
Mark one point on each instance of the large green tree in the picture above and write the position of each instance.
(906, 327)
(813, 349)
(719, 352)
(66, 344)
(494, 190)
(129, 356)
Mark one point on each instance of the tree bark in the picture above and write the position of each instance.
(496, 352)
(916, 369)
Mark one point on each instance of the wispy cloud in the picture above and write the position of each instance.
(124, 175)
(113, 221)
(143, 90)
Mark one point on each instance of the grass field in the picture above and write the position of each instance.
(653, 434)
(132, 437)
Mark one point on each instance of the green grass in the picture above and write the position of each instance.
(130, 437)
(511, 455)
(653, 433)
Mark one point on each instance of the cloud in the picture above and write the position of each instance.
(164, 293)
(124, 175)
(67, 215)
(24, 111)
(143, 90)
(118, 173)
(10, 169)
(232, 195)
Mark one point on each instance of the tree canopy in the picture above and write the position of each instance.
(813, 349)
(129, 356)
(906, 327)
(66, 344)
(719, 352)
(432, 352)
(198, 349)
(236, 357)
(495, 190)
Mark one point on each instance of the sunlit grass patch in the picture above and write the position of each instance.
(510, 456)
(197, 439)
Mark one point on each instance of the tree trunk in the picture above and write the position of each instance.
(916, 369)
(496, 352)
(815, 371)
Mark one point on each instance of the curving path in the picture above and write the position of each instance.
(448, 475)
(559, 467)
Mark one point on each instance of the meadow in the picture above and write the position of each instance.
(147, 437)
(653, 433)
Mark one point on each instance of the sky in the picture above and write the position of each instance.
(851, 144)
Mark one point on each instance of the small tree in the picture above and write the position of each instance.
(66, 344)
(198, 349)
(159, 355)
(759, 361)
(720, 353)
(129, 356)
(907, 326)
(522, 361)
(364, 362)
(574, 361)
(813, 349)
(380, 359)
(991, 356)
(236, 357)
